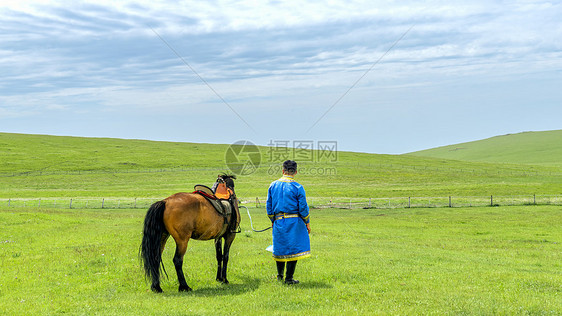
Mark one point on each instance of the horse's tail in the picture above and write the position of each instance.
(151, 251)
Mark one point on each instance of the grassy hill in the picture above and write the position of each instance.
(35, 166)
(544, 148)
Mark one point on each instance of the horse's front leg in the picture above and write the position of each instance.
(218, 248)
(181, 247)
(228, 239)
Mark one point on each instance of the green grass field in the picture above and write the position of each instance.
(472, 261)
(462, 260)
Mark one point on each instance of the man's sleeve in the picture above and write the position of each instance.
(269, 205)
(303, 206)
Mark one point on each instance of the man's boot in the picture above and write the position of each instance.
(291, 265)
(280, 270)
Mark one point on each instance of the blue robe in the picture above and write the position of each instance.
(288, 210)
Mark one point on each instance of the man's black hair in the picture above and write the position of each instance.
(290, 166)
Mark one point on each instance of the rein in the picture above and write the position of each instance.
(251, 224)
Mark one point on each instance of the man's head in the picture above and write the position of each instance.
(290, 167)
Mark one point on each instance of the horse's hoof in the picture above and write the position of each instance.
(156, 289)
(225, 281)
(184, 288)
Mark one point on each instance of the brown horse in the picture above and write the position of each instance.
(187, 216)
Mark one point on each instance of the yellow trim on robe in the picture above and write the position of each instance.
(297, 256)
(287, 178)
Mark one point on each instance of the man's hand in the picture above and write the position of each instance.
(308, 227)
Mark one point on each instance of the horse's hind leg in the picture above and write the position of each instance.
(218, 248)
(181, 247)
(165, 237)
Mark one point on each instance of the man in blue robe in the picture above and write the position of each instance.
(288, 211)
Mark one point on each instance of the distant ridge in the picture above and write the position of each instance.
(41, 166)
(541, 148)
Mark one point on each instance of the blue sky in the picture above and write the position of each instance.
(465, 70)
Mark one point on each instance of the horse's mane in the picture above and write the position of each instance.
(225, 176)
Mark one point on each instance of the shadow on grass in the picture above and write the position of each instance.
(247, 285)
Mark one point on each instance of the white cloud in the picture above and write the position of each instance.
(70, 56)
(193, 17)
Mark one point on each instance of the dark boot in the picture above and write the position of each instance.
(291, 265)
(280, 270)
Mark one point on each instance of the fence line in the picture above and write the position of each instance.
(80, 203)
(427, 202)
(314, 202)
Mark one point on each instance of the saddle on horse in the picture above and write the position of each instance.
(222, 200)
(222, 205)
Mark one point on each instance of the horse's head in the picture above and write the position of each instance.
(227, 181)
